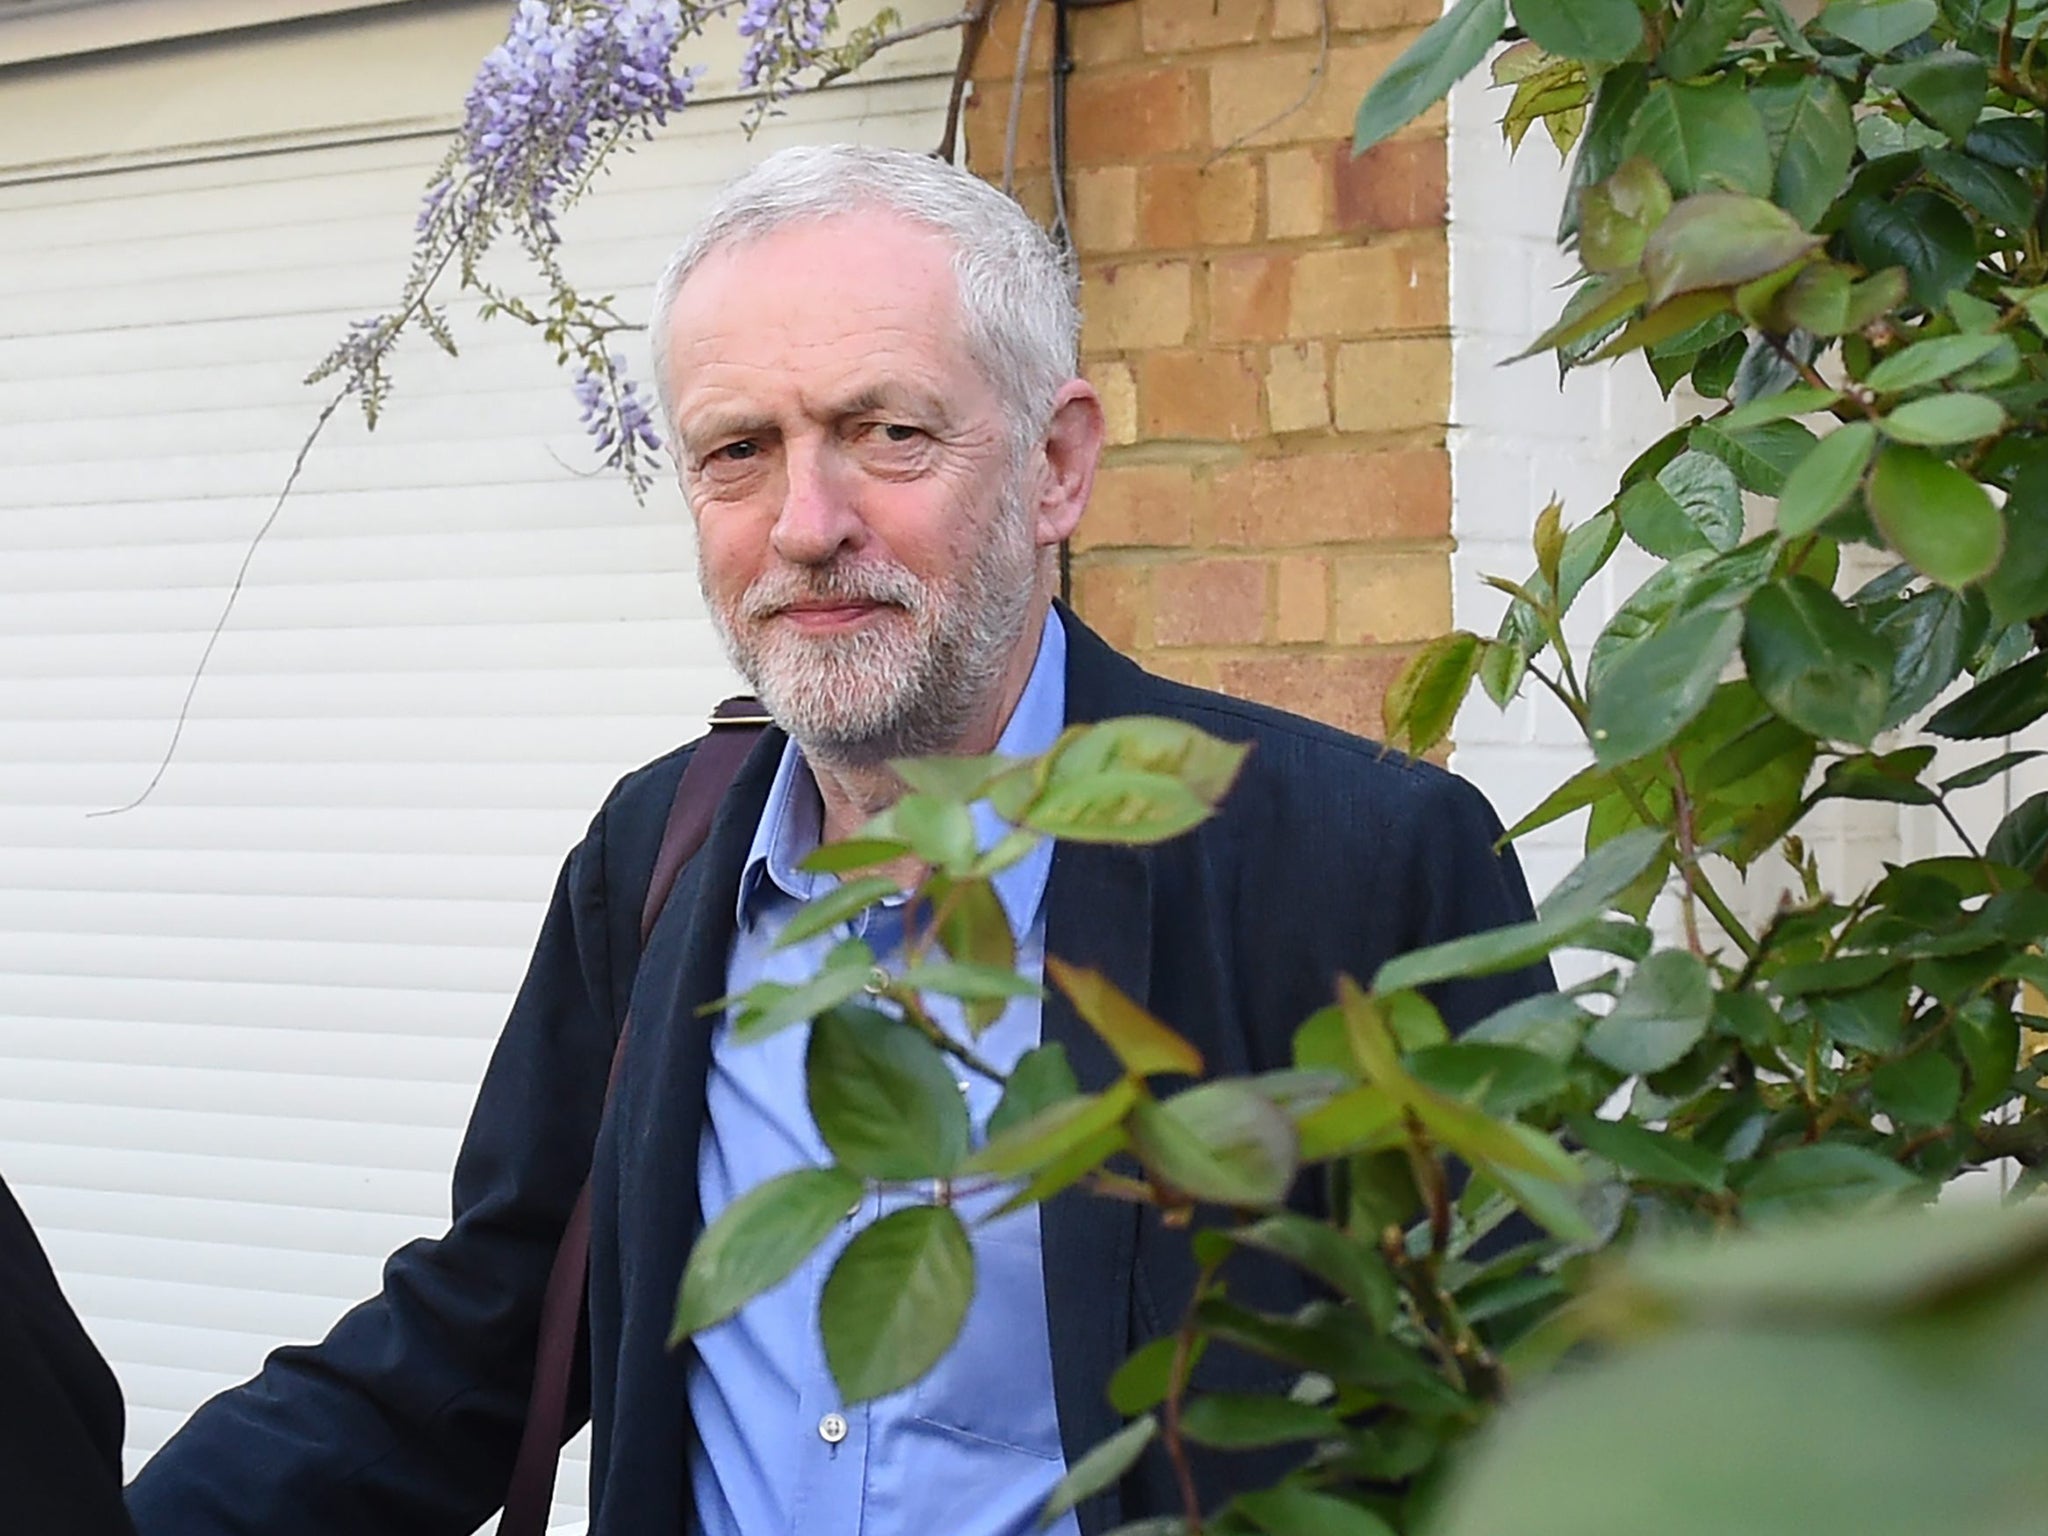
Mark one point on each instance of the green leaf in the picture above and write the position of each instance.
(1050, 1135)
(1616, 216)
(1693, 503)
(1927, 635)
(1101, 1467)
(1673, 319)
(940, 832)
(1589, 784)
(1661, 1014)
(973, 983)
(2002, 197)
(1146, 1375)
(1550, 1023)
(1591, 888)
(1704, 138)
(1814, 662)
(1288, 1509)
(1800, 400)
(964, 779)
(841, 904)
(1929, 362)
(1939, 519)
(1143, 1044)
(1655, 688)
(1892, 777)
(770, 1008)
(1985, 772)
(883, 1097)
(1350, 1268)
(1705, 29)
(1822, 1179)
(1476, 954)
(1041, 1079)
(1807, 124)
(1921, 231)
(1877, 26)
(895, 1300)
(1501, 1079)
(1598, 31)
(1452, 48)
(856, 853)
(1760, 456)
(1654, 1155)
(1937, 420)
(1221, 1142)
(1944, 88)
(2021, 838)
(973, 927)
(2018, 589)
(1116, 806)
(1207, 765)
(1242, 1420)
(1923, 1089)
(1423, 701)
(2006, 702)
(757, 1242)
(1593, 310)
(1719, 239)
(1826, 478)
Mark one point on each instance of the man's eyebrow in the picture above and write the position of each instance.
(885, 398)
(720, 427)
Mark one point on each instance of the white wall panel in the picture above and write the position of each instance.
(241, 1026)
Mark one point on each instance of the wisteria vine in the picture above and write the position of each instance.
(573, 82)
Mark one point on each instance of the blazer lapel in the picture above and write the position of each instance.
(1098, 915)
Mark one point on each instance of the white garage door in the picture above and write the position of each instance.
(241, 1026)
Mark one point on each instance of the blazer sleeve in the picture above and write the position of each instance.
(404, 1420)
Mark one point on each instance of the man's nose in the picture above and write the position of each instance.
(818, 519)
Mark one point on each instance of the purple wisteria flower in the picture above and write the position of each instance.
(613, 412)
(784, 33)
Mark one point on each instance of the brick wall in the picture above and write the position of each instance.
(1268, 323)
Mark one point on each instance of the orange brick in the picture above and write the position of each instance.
(997, 58)
(1119, 116)
(1252, 91)
(1299, 193)
(1139, 506)
(1334, 498)
(1171, 26)
(1251, 297)
(1301, 603)
(1342, 689)
(1304, 18)
(1209, 396)
(1104, 208)
(1190, 205)
(1102, 34)
(1209, 602)
(1386, 598)
(1033, 192)
(1390, 386)
(1118, 387)
(986, 125)
(1400, 184)
(1360, 290)
(1298, 387)
(1137, 304)
(1112, 599)
(1192, 667)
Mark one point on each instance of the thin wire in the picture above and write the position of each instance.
(1307, 92)
(1017, 99)
(1056, 124)
(227, 608)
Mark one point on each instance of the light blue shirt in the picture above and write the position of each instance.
(973, 1449)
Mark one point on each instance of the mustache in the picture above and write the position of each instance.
(786, 588)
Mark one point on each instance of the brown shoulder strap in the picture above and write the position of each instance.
(735, 725)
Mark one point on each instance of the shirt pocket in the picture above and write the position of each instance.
(995, 1385)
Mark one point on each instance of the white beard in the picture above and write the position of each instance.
(909, 681)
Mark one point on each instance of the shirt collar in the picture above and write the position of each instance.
(793, 818)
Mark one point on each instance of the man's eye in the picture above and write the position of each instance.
(736, 453)
(897, 432)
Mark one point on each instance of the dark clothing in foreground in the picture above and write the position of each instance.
(60, 1408)
(1329, 856)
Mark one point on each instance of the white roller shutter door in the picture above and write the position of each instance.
(241, 1026)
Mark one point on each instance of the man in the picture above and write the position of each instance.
(60, 1408)
(867, 365)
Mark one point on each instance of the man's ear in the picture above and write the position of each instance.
(1073, 446)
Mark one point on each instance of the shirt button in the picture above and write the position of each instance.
(832, 1429)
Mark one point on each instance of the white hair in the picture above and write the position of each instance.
(1018, 294)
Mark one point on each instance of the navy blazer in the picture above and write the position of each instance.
(1330, 855)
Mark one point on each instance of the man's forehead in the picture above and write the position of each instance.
(871, 254)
